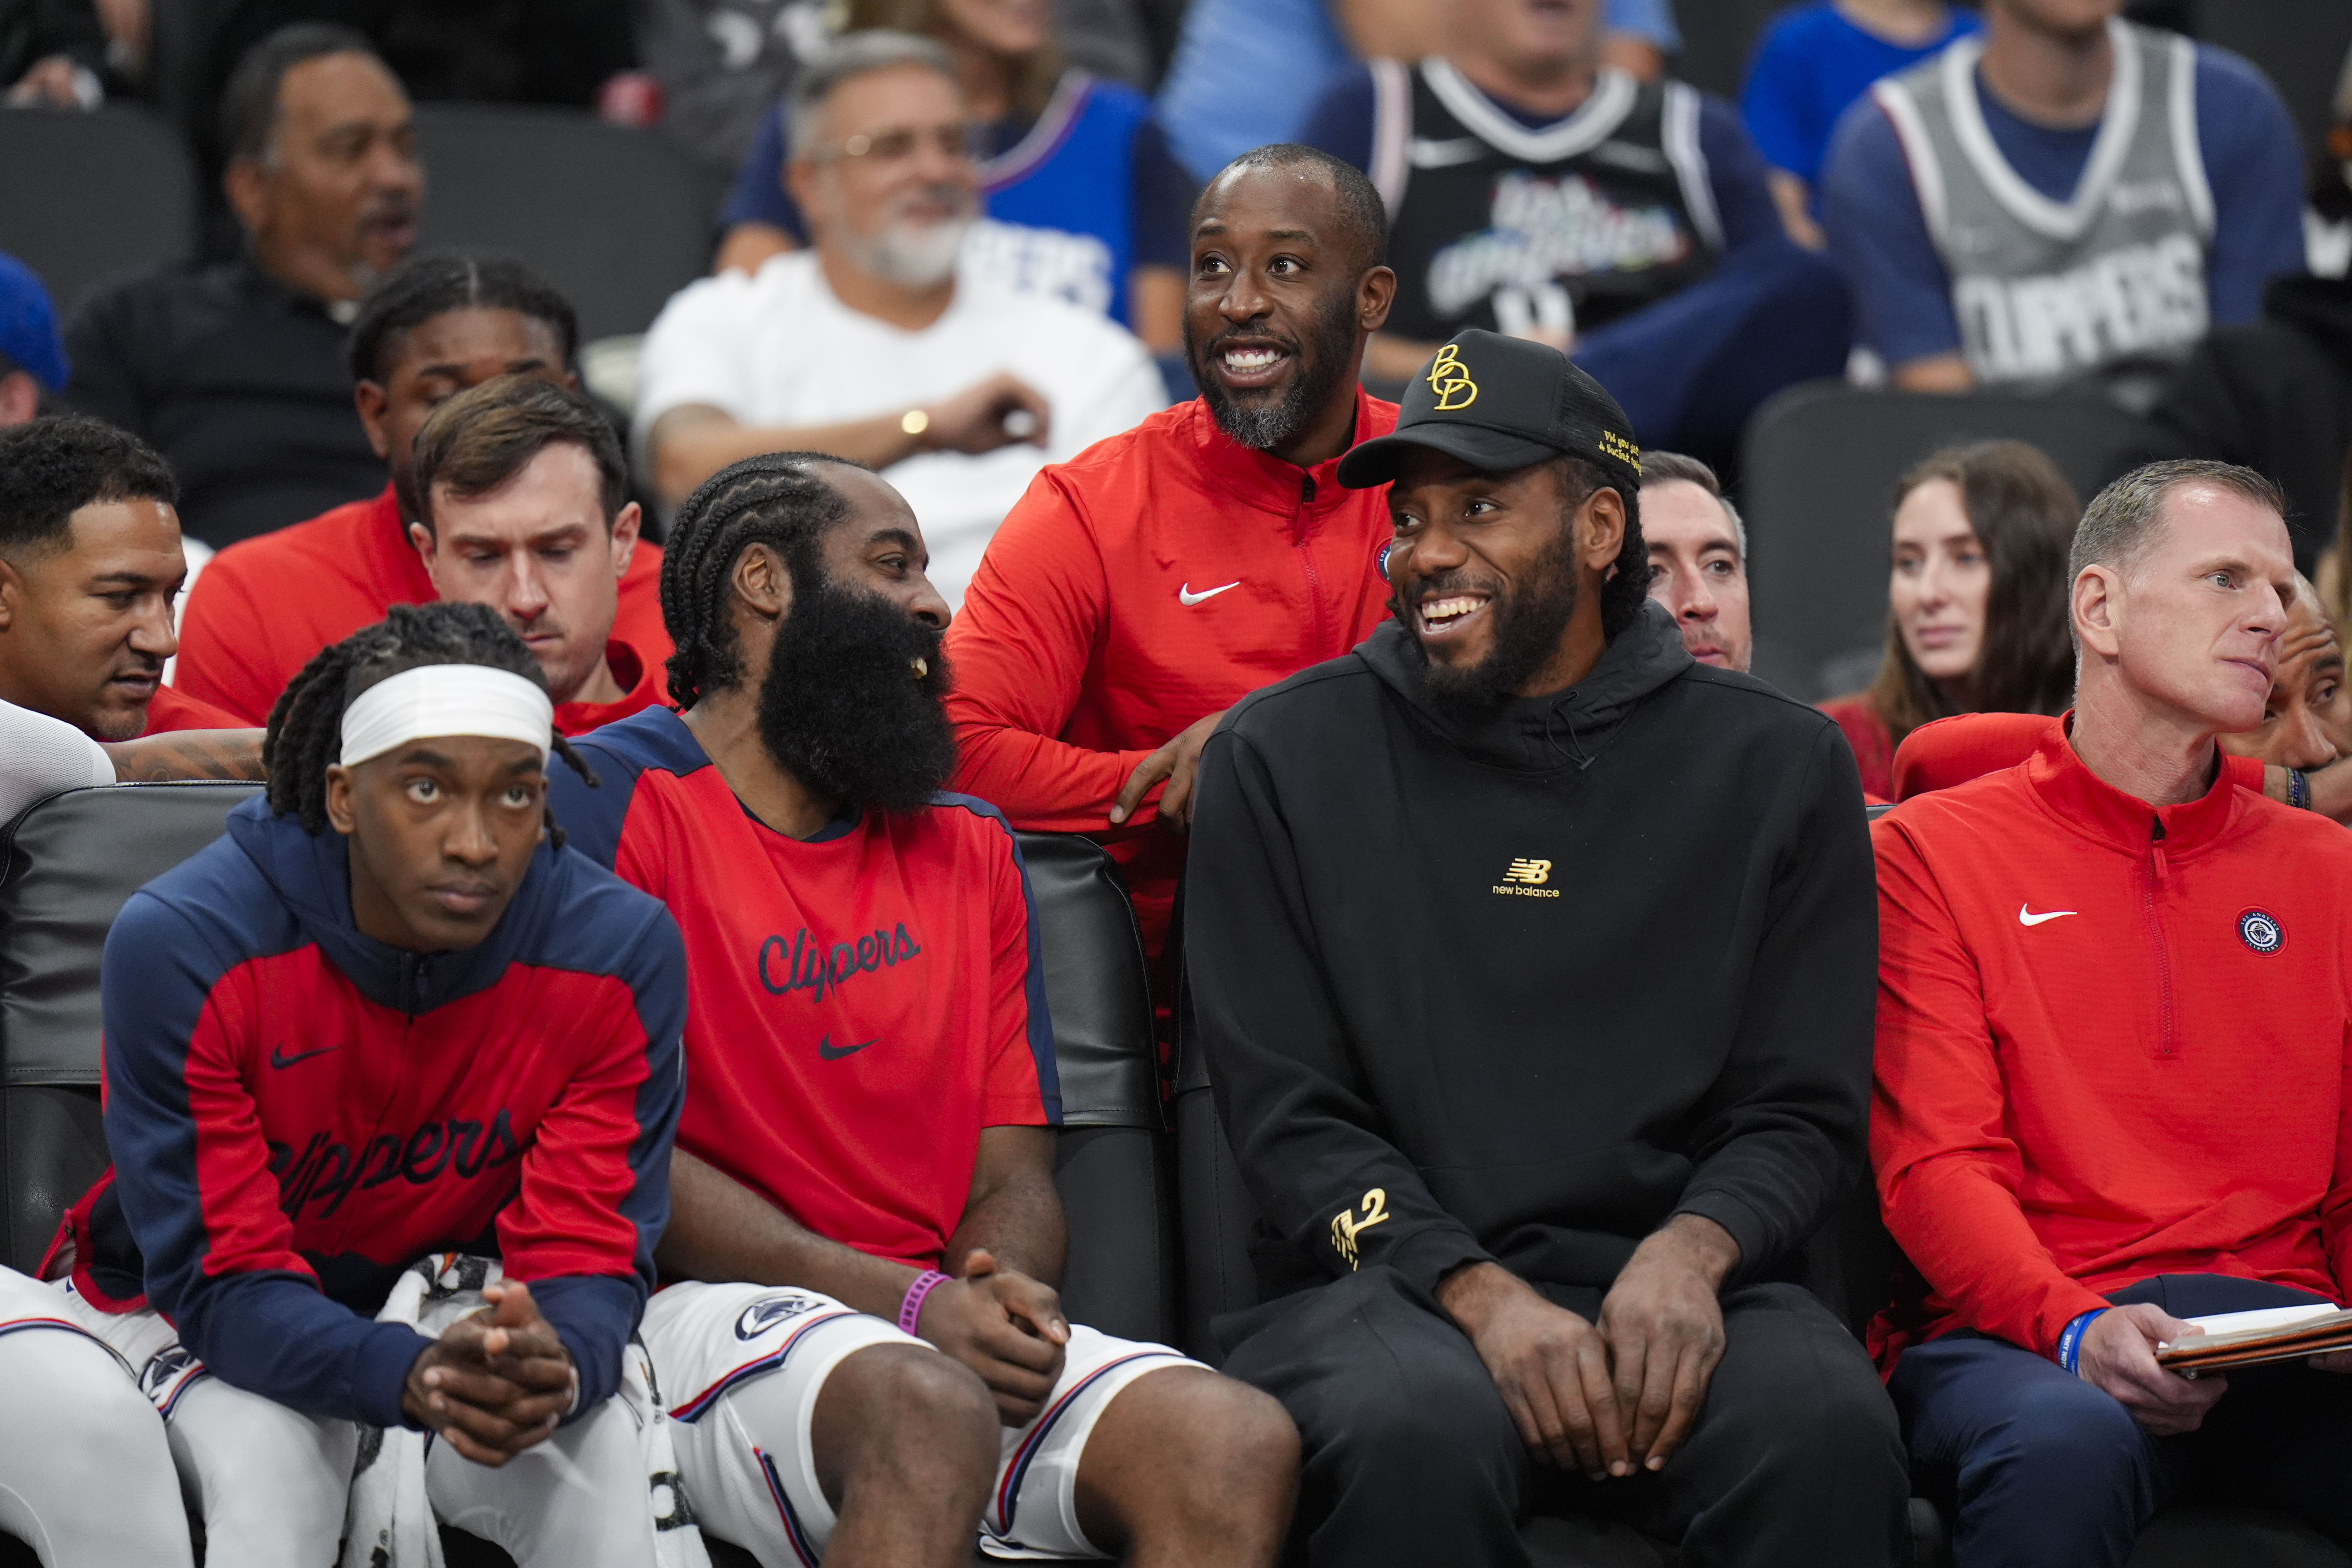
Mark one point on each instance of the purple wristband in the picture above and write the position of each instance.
(910, 1311)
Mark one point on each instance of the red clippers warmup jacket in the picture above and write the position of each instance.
(2112, 1043)
(265, 605)
(1153, 579)
(643, 684)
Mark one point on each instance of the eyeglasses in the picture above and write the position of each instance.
(901, 143)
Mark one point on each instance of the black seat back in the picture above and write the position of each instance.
(1819, 464)
(1112, 1158)
(82, 196)
(67, 865)
(618, 219)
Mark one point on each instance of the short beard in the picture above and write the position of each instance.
(911, 255)
(1529, 626)
(1322, 367)
(842, 708)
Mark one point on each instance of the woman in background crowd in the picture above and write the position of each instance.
(1084, 200)
(1976, 601)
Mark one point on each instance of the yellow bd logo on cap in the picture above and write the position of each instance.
(1450, 379)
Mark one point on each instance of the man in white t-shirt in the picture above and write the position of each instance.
(869, 344)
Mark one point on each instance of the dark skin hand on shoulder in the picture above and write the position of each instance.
(1620, 1395)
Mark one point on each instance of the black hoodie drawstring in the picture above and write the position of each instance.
(1574, 751)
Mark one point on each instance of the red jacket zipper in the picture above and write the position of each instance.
(2166, 1046)
(1313, 578)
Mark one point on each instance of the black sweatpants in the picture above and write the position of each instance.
(1410, 1456)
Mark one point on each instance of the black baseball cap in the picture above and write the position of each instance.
(1500, 403)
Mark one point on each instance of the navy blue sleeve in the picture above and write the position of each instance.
(592, 816)
(1878, 237)
(1341, 120)
(1164, 194)
(2254, 165)
(220, 1259)
(759, 195)
(594, 1314)
(1735, 170)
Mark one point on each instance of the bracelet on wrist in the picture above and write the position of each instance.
(914, 423)
(2069, 1353)
(2298, 789)
(910, 1310)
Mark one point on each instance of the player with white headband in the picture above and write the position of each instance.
(388, 1016)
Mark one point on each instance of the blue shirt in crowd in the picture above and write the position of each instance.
(1247, 71)
(1810, 64)
(2252, 162)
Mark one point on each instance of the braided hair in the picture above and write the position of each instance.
(776, 499)
(306, 728)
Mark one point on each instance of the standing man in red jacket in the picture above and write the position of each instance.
(2115, 1067)
(1139, 590)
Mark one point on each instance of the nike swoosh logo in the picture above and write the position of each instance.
(1185, 596)
(2024, 919)
(278, 1059)
(833, 1053)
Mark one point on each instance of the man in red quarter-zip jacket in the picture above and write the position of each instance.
(2115, 1032)
(1139, 590)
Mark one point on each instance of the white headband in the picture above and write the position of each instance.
(447, 700)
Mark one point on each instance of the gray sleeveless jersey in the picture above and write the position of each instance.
(2046, 289)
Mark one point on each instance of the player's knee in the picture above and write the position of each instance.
(83, 1400)
(1232, 1440)
(913, 1399)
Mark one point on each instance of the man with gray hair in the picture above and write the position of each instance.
(875, 345)
(2111, 1087)
(1698, 558)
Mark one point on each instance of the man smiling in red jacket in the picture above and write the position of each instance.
(2115, 1035)
(1139, 591)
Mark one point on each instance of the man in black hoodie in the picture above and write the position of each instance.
(1536, 962)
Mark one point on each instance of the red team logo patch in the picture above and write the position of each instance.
(2259, 930)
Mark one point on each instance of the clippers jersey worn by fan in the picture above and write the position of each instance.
(2114, 1041)
(264, 606)
(2045, 290)
(1156, 578)
(1564, 228)
(863, 1000)
(297, 1111)
(169, 710)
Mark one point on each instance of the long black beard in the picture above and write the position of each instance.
(1529, 626)
(1322, 368)
(842, 708)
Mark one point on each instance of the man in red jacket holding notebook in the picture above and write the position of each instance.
(1139, 590)
(2115, 1035)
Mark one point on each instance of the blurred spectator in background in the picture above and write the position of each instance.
(2275, 394)
(523, 506)
(52, 53)
(1247, 72)
(1976, 601)
(1698, 558)
(435, 326)
(90, 564)
(234, 369)
(31, 357)
(870, 346)
(1988, 247)
(2308, 723)
(1813, 61)
(723, 64)
(1535, 191)
(1083, 200)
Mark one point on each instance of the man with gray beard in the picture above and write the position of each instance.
(873, 344)
(1137, 593)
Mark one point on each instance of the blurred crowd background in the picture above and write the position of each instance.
(1705, 202)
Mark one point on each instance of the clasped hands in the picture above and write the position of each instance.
(1005, 1326)
(495, 1381)
(1616, 1397)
